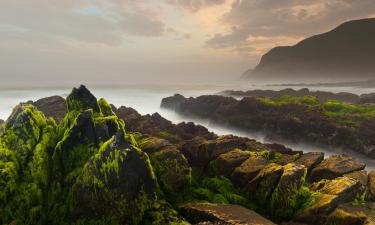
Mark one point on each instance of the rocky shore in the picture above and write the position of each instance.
(322, 96)
(88, 162)
(289, 119)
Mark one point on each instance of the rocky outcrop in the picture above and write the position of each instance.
(348, 214)
(335, 166)
(286, 119)
(225, 163)
(340, 53)
(54, 106)
(321, 95)
(310, 160)
(248, 170)
(204, 213)
(81, 99)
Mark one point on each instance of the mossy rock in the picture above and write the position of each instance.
(262, 186)
(310, 160)
(335, 166)
(227, 162)
(162, 213)
(117, 182)
(349, 214)
(248, 170)
(81, 99)
(172, 169)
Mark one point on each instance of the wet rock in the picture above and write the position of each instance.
(81, 99)
(349, 214)
(310, 160)
(222, 214)
(54, 106)
(371, 177)
(248, 170)
(263, 185)
(117, 182)
(335, 166)
(225, 163)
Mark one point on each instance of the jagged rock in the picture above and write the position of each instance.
(117, 182)
(222, 214)
(248, 170)
(371, 178)
(263, 185)
(225, 163)
(54, 106)
(349, 214)
(335, 166)
(81, 99)
(310, 160)
(332, 193)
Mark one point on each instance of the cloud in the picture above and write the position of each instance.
(288, 18)
(195, 5)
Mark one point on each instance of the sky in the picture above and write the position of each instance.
(59, 42)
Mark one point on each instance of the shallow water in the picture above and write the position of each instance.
(146, 100)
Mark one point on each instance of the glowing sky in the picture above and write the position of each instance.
(146, 41)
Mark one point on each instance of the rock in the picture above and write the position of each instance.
(248, 170)
(225, 163)
(335, 166)
(310, 160)
(361, 176)
(54, 106)
(332, 193)
(172, 169)
(222, 214)
(197, 152)
(263, 185)
(349, 214)
(81, 99)
(225, 144)
(117, 182)
(283, 159)
(162, 213)
(371, 178)
(152, 145)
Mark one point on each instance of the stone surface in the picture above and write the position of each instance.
(248, 170)
(371, 177)
(54, 106)
(225, 163)
(262, 186)
(349, 214)
(335, 166)
(222, 214)
(361, 176)
(310, 160)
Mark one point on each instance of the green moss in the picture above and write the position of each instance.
(105, 108)
(286, 99)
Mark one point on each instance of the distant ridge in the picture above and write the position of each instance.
(344, 53)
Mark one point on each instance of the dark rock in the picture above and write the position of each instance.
(81, 99)
(335, 166)
(310, 160)
(54, 106)
(263, 185)
(225, 163)
(115, 191)
(222, 214)
(248, 170)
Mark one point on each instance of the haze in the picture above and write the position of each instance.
(65, 42)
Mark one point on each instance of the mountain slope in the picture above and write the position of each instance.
(343, 52)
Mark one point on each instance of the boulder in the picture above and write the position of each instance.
(335, 166)
(222, 214)
(371, 179)
(361, 176)
(81, 99)
(54, 106)
(310, 160)
(332, 193)
(225, 144)
(262, 186)
(117, 182)
(197, 151)
(172, 169)
(248, 170)
(152, 144)
(227, 162)
(348, 214)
